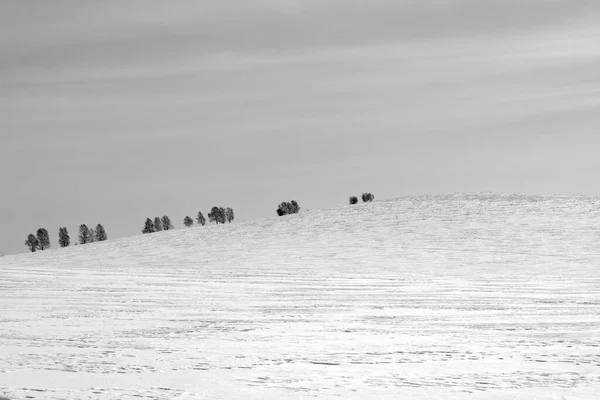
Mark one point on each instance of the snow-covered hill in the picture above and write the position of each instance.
(449, 297)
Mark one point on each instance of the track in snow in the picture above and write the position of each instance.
(478, 296)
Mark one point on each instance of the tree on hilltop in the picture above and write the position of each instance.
(286, 208)
(294, 207)
(166, 223)
(31, 242)
(100, 233)
(158, 225)
(212, 215)
(188, 221)
(229, 214)
(367, 197)
(148, 226)
(43, 239)
(217, 215)
(63, 237)
(85, 236)
(201, 220)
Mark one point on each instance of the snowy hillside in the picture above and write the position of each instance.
(448, 297)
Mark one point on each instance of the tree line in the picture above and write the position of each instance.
(292, 207)
(41, 240)
(366, 198)
(286, 208)
(158, 224)
(218, 215)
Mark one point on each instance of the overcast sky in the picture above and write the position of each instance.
(114, 111)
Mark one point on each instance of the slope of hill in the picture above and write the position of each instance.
(479, 296)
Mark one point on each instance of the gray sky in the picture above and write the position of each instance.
(113, 111)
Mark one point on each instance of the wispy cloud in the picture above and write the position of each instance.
(262, 94)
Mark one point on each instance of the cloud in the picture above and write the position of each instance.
(438, 95)
(68, 32)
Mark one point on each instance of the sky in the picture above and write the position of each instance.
(115, 111)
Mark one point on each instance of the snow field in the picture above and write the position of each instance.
(447, 297)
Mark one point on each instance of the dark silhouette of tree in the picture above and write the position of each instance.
(353, 199)
(148, 226)
(201, 220)
(188, 221)
(63, 237)
(229, 214)
(85, 236)
(31, 242)
(294, 207)
(43, 239)
(158, 224)
(367, 197)
(217, 215)
(100, 233)
(212, 215)
(166, 223)
(286, 208)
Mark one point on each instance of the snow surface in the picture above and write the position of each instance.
(447, 297)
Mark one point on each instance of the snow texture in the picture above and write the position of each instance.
(444, 297)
